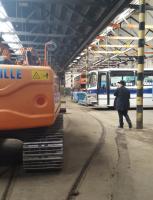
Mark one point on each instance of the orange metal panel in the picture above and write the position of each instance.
(27, 97)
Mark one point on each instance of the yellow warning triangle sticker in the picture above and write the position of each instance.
(40, 75)
(36, 76)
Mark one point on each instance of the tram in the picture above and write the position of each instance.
(79, 89)
(103, 83)
(80, 82)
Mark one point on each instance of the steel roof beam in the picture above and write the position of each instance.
(136, 7)
(118, 45)
(22, 20)
(24, 43)
(118, 37)
(37, 34)
(38, 50)
(79, 14)
(133, 26)
(32, 21)
(109, 52)
(68, 26)
(102, 3)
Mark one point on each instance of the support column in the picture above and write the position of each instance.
(71, 84)
(87, 65)
(140, 69)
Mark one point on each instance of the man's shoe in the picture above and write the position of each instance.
(120, 126)
(130, 125)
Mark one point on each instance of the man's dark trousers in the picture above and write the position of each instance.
(124, 113)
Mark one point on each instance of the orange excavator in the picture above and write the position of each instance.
(30, 111)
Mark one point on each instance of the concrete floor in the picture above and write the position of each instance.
(121, 170)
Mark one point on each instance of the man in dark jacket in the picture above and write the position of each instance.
(122, 103)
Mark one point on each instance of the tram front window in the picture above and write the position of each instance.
(93, 80)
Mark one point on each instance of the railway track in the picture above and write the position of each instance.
(74, 191)
(4, 171)
(10, 173)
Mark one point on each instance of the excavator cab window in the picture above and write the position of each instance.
(29, 57)
(32, 59)
(4, 60)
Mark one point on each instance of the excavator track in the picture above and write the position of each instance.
(45, 149)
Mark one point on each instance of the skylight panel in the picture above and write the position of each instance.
(13, 40)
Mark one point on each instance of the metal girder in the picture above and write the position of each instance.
(69, 26)
(80, 14)
(36, 49)
(31, 14)
(122, 46)
(102, 3)
(121, 56)
(118, 37)
(130, 26)
(24, 43)
(108, 52)
(118, 45)
(23, 20)
(136, 7)
(138, 22)
(35, 21)
(125, 31)
(37, 34)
